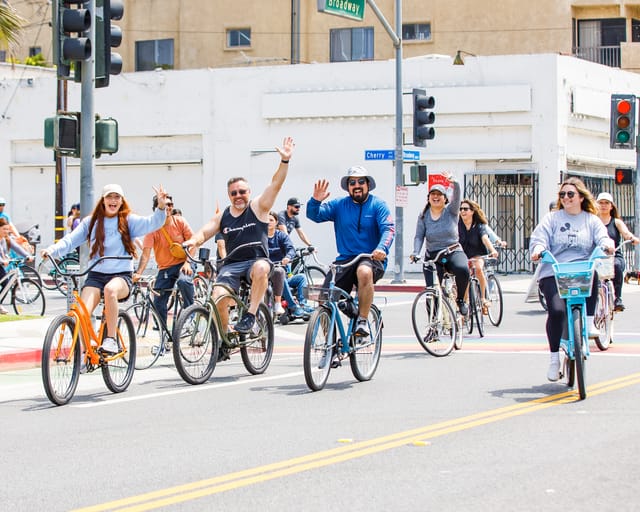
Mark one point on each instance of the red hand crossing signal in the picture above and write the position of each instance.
(624, 176)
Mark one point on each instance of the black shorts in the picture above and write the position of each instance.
(347, 277)
(100, 280)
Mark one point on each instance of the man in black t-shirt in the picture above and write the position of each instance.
(288, 220)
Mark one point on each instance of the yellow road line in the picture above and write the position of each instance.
(215, 485)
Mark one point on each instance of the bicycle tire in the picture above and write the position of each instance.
(319, 345)
(200, 289)
(568, 367)
(117, 370)
(315, 275)
(27, 298)
(195, 348)
(149, 334)
(60, 361)
(60, 281)
(31, 273)
(475, 306)
(603, 317)
(365, 357)
(579, 353)
(435, 333)
(257, 350)
(494, 295)
(46, 272)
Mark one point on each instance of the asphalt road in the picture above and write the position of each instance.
(480, 429)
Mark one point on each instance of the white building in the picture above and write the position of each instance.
(509, 125)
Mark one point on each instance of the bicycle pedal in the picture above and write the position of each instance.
(336, 363)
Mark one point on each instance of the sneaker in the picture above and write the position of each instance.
(109, 346)
(246, 323)
(618, 305)
(3, 310)
(462, 307)
(308, 309)
(298, 312)
(361, 329)
(592, 330)
(278, 309)
(553, 373)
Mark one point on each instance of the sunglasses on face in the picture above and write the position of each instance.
(240, 191)
(571, 194)
(464, 208)
(296, 206)
(170, 205)
(359, 181)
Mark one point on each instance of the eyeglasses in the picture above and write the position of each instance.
(569, 194)
(240, 191)
(169, 205)
(296, 206)
(464, 208)
(359, 181)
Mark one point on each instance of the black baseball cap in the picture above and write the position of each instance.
(293, 201)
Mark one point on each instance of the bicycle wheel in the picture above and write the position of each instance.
(195, 344)
(64, 263)
(60, 362)
(200, 289)
(365, 357)
(568, 367)
(494, 295)
(31, 273)
(46, 271)
(315, 275)
(257, 350)
(436, 331)
(319, 344)
(149, 334)
(27, 298)
(579, 353)
(603, 316)
(475, 306)
(117, 370)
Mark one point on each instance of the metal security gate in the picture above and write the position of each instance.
(509, 200)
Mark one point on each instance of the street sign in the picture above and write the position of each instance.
(353, 9)
(390, 154)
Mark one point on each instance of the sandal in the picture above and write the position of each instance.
(486, 304)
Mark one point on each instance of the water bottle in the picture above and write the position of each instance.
(348, 307)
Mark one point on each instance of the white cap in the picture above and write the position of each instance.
(112, 188)
(605, 196)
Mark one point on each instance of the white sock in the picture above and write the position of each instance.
(555, 357)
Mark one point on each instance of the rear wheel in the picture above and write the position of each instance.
(578, 352)
(319, 344)
(195, 344)
(117, 370)
(365, 357)
(436, 332)
(494, 295)
(257, 350)
(27, 298)
(31, 273)
(603, 317)
(475, 306)
(60, 360)
(315, 275)
(149, 334)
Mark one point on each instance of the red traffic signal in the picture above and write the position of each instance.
(624, 176)
(622, 129)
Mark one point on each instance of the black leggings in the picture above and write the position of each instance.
(457, 264)
(557, 309)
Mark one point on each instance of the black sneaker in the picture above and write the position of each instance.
(246, 323)
(462, 307)
(361, 328)
(618, 305)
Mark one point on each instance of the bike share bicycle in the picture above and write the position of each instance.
(327, 340)
(199, 341)
(71, 344)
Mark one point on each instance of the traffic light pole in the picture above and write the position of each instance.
(636, 214)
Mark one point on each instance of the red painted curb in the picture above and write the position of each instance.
(21, 358)
(405, 288)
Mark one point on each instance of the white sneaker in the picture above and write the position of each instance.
(278, 309)
(553, 374)
(109, 346)
(592, 330)
(3, 310)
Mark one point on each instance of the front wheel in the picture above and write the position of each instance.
(494, 296)
(319, 344)
(365, 353)
(578, 352)
(435, 330)
(27, 298)
(195, 344)
(315, 275)
(475, 306)
(60, 360)
(117, 370)
(149, 334)
(603, 317)
(256, 352)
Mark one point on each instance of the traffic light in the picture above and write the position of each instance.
(107, 36)
(106, 136)
(418, 173)
(624, 176)
(70, 42)
(622, 132)
(422, 117)
(62, 133)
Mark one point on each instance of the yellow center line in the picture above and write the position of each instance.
(222, 483)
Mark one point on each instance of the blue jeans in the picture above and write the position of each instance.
(164, 284)
(298, 281)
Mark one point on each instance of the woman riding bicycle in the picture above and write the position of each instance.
(438, 226)
(110, 230)
(8, 243)
(571, 233)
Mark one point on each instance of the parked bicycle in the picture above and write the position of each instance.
(27, 297)
(199, 340)
(328, 341)
(71, 344)
(574, 281)
(434, 316)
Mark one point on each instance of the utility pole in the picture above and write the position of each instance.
(61, 169)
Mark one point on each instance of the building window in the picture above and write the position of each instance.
(34, 50)
(599, 40)
(239, 38)
(157, 53)
(349, 44)
(416, 32)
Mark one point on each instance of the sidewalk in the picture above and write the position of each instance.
(21, 340)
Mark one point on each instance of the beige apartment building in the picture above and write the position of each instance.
(179, 34)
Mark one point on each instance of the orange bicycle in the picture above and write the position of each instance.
(71, 344)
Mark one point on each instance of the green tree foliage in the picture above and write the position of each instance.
(11, 24)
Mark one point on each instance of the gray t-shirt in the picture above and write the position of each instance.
(442, 232)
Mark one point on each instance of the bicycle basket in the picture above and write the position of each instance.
(605, 267)
(320, 294)
(574, 279)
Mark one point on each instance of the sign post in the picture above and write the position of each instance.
(352, 9)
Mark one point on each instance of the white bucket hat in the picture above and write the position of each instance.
(357, 171)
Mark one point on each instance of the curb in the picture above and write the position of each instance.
(400, 287)
(30, 358)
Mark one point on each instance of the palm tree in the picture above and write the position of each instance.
(11, 24)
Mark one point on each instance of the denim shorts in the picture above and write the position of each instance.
(100, 280)
(231, 273)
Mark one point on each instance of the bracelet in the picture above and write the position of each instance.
(284, 161)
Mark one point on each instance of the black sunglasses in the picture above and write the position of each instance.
(569, 194)
(464, 208)
(168, 204)
(241, 191)
(359, 181)
(296, 206)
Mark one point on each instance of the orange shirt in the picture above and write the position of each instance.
(178, 230)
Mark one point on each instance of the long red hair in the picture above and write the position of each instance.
(97, 220)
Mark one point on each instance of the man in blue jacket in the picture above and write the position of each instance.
(362, 224)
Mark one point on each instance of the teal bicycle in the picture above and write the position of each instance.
(574, 281)
(329, 339)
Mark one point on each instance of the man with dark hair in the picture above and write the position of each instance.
(288, 220)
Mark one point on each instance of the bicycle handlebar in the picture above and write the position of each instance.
(206, 259)
(88, 269)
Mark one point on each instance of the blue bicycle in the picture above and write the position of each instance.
(574, 281)
(328, 340)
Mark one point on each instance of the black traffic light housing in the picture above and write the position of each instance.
(62, 133)
(624, 176)
(622, 131)
(71, 45)
(422, 117)
(107, 36)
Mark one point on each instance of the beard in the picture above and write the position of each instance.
(360, 197)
